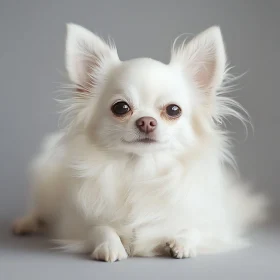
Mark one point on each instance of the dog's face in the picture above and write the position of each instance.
(143, 105)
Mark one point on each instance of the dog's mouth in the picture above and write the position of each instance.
(142, 141)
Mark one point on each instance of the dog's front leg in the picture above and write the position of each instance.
(184, 245)
(107, 244)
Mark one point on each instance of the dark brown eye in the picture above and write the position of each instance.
(120, 108)
(173, 111)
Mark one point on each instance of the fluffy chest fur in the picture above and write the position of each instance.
(130, 190)
(133, 191)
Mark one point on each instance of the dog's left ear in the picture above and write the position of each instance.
(203, 59)
(88, 58)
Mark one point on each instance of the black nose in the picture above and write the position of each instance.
(146, 124)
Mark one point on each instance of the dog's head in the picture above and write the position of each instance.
(143, 105)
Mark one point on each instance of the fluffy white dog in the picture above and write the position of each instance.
(141, 169)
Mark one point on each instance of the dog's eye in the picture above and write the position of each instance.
(173, 111)
(120, 108)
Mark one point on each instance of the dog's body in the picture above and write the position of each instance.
(132, 175)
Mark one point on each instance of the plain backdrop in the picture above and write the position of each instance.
(32, 38)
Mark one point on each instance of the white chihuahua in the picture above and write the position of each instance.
(141, 169)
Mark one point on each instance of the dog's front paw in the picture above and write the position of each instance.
(185, 244)
(109, 252)
(179, 249)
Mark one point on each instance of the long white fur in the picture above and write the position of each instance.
(99, 195)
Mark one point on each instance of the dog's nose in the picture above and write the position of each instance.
(146, 124)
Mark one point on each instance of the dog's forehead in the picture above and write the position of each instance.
(147, 76)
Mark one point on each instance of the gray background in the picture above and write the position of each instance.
(32, 35)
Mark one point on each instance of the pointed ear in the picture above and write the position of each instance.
(203, 59)
(88, 57)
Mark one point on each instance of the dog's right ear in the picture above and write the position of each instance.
(88, 57)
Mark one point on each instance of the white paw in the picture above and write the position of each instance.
(109, 252)
(179, 249)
